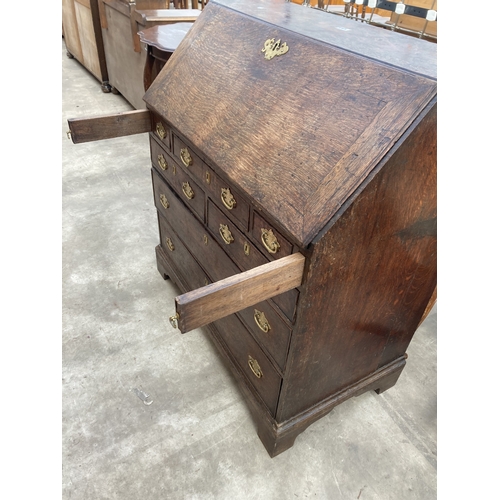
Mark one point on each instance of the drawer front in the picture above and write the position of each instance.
(228, 199)
(272, 244)
(187, 157)
(161, 131)
(217, 265)
(162, 160)
(252, 361)
(245, 254)
(207, 251)
(236, 244)
(269, 329)
(179, 257)
(187, 189)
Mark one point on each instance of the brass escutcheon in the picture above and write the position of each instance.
(164, 201)
(186, 157)
(227, 198)
(170, 245)
(207, 177)
(174, 320)
(254, 366)
(246, 248)
(205, 239)
(261, 320)
(187, 190)
(226, 234)
(270, 241)
(162, 162)
(160, 130)
(272, 48)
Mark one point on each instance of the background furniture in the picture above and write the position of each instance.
(83, 37)
(161, 41)
(125, 55)
(413, 22)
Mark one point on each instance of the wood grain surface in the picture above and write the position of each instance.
(297, 133)
(230, 295)
(109, 126)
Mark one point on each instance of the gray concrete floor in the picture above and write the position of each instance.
(196, 439)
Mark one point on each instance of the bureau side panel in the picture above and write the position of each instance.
(369, 279)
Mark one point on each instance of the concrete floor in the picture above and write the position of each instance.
(196, 439)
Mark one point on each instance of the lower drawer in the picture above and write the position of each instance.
(180, 258)
(269, 330)
(254, 364)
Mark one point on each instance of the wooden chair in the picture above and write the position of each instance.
(412, 17)
(190, 4)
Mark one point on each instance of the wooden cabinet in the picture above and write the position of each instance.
(83, 37)
(294, 176)
(125, 54)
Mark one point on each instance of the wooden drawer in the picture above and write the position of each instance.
(236, 244)
(269, 329)
(184, 185)
(179, 257)
(161, 131)
(245, 352)
(245, 254)
(272, 244)
(195, 236)
(228, 199)
(187, 157)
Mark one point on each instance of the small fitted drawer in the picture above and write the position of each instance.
(234, 242)
(250, 358)
(269, 240)
(180, 257)
(269, 329)
(245, 254)
(188, 158)
(161, 131)
(194, 234)
(228, 199)
(184, 185)
(161, 159)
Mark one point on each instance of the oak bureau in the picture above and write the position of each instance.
(294, 175)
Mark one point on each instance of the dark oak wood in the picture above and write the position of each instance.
(109, 126)
(366, 113)
(325, 154)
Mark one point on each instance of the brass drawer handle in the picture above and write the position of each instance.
(226, 234)
(227, 198)
(261, 320)
(174, 320)
(162, 162)
(160, 130)
(269, 239)
(170, 245)
(187, 190)
(254, 366)
(186, 157)
(164, 201)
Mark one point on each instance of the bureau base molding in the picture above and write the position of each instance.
(278, 437)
